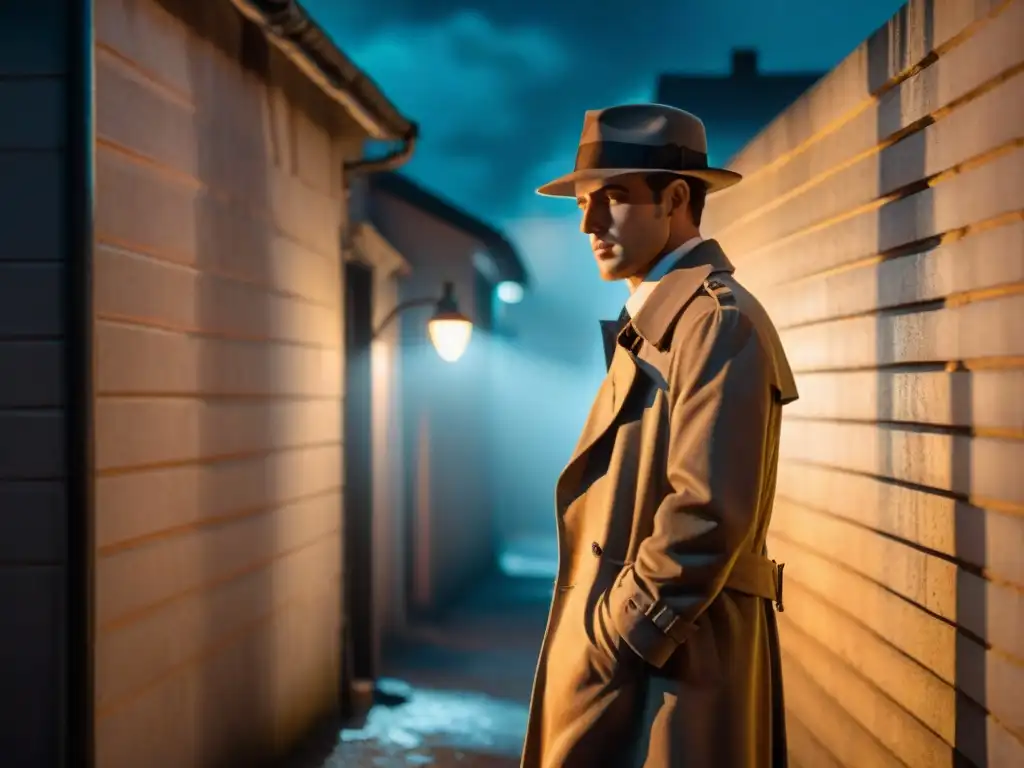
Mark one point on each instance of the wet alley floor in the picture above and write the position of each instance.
(468, 678)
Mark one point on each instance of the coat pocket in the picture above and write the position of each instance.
(616, 652)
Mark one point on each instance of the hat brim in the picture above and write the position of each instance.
(717, 179)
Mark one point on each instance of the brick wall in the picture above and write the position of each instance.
(33, 491)
(218, 390)
(882, 224)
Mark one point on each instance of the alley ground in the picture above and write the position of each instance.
(469, 675)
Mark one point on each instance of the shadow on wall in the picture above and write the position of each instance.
(970, 536)
(545, 374)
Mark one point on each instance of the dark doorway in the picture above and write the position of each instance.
(359, 647)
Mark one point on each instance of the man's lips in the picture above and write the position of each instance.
(602, 248)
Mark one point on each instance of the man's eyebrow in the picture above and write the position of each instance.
(605, 188)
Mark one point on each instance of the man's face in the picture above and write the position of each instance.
(627, 229)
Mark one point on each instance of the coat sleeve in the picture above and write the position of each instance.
(720, 392)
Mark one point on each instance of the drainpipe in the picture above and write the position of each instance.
(388, 162)
(76, 737)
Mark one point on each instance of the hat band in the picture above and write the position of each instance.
(620, 154)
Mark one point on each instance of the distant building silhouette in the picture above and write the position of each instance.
(737, 106)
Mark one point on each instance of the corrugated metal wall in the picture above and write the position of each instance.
(33, 472)
(218, 405)
(882, 224)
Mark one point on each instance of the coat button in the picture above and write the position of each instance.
(596, 549)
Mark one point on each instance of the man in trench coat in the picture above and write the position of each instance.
(661, 648)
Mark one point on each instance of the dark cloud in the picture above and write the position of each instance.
(499, 88)
(495, 89)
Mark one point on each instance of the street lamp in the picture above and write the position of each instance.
(510, 292)
(449, 330)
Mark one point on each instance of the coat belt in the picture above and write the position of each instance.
(757, 575)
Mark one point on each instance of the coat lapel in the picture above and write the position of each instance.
(610, 330)
(609, 336)
(652, 325)
(609, 402)
(606, 409)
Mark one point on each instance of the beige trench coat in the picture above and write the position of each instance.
(661, 648)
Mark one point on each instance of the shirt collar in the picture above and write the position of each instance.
(646, 288)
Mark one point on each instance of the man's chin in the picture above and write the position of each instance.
(611, 270)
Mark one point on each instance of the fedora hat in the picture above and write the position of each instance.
(641, 138)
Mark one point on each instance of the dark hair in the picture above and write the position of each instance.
(659, 181)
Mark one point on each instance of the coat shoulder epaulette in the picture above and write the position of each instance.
(719, 290)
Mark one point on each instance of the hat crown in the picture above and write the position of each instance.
(645, 124)
(641, 138)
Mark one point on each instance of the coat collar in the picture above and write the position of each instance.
(673, 292)
(652, 324)
(639, 295)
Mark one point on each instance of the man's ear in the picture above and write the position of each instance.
(679, 195)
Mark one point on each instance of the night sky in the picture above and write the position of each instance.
(499, 88)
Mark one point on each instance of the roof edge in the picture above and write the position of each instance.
(510, 264)
(289, 27)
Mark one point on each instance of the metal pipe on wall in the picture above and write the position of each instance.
(77, 732)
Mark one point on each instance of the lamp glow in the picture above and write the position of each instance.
(449, 330)
(450, 336)
(510, 292)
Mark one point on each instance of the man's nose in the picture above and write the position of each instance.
(591, 222)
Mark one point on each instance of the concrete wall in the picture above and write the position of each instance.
(33, 471)
(881, 223)
(451, 536)
(218, 390)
